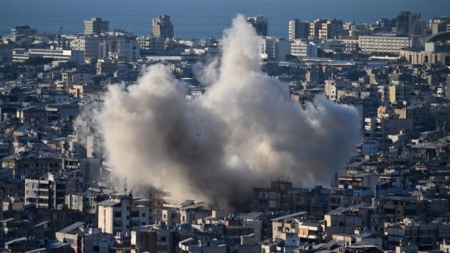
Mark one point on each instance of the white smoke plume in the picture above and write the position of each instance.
(245, 128)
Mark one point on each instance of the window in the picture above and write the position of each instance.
(143, 215)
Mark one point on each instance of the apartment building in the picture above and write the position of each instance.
(49, 191)
(122, 49)
(325, 29)
(314, 201)
(96, 26)
(303, 48)
(298, 29)
(423, 234)
(275, 49)
(26, 164)
(383, 44)
(162, 27)
(261, 25)
(277, 197)
(122, 213)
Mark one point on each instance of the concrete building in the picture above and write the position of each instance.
(351, 44)
(315, 28)
(273, 198)
(162, 27)
(342, 220)
(325, 29)
(423, 234)
(121, 49)
(333, 86)
(96, 26)
(314, 201)
(400, 92)
(151, 45)
(84, 239)
(26, 164)
(90, 45)
(440, 24)
(49, 191)
(406, 22)
(298, 29)
(383, 44)
(303, 48)
(380, 128)
(21, 55)
(86, 203)
(436, 50)
(332, 45)
(261, 25)
(58, 54)
(155, 238)
(70, 78)
(24, 30)
(275, 49)
(122, 213)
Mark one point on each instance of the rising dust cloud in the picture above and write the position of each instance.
(245, 128)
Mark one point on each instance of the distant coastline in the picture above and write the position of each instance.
(201, 18)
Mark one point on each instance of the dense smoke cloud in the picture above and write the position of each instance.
(244, 129)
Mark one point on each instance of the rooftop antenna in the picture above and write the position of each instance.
(125, 184)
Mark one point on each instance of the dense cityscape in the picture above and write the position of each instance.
(335, 139)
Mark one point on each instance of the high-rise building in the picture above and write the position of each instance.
(315, 27)
(96, 26)
(326, 29)
(261, 25)
(162, 27)
(406, 22)
(298, 29)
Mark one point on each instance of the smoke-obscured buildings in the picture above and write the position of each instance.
(261, 25)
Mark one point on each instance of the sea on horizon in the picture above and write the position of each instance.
(202, 18)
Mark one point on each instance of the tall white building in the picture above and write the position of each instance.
(303, 48)
(275, 49)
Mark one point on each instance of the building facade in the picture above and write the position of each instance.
(261, 25)
(162, 27)
(298, 29)
(383, 44)
(96, 26)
